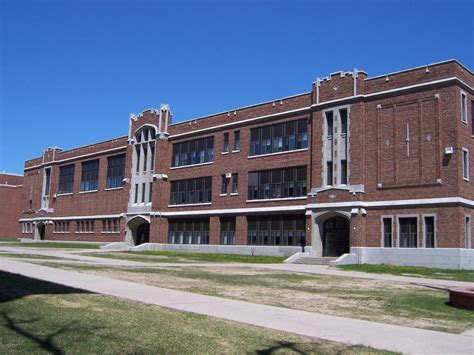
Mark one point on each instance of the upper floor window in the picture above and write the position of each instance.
(465, 164)
(66, 179)
(236, 141)
(90, 175)
(224, 184)
(280, 137)
(277, 183)
(191, 191)
(193, 152)
(225, 145)
(463, 107)
(115, 171)
(235, 183)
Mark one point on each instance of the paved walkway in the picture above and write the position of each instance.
(345, 330)
(74, 255)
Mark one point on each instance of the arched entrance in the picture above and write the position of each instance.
(336, 236)
(139, 228)
(40, 231)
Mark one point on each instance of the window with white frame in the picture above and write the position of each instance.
(387, 232)
(408, 232)
(467, 232)
(143, 165)
(86, 226)
(61, 227)
(429, 231)
(27, 227)
(463, 107)
(465, 164)
(110, 225)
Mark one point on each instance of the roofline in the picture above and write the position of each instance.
(12, 174)
(420, 67)
(239, 108)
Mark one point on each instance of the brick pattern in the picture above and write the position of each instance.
(11, 197)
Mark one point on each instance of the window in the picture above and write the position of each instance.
(66, 179)
(280, 137)
(47, 183)
(143, 166)
(463, 107)
(235, 183)
(115, 171)
(343, 115)
(387, 232)
(236, 141)
(467, 232)
(465, 164)
(61, 227)
(227, 236)
(191, 191)
(193, 231)
(224, 184)
(408, 232)
(90, 175)
(225, 146)
(110, 225)
(335, 147)
(278, 183)
(193, 152)
(86, 226)
(343, 172)
(27, 227)
(329, 168)
(429, 229)
(276, 230)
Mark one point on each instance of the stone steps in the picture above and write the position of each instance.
(307, 260)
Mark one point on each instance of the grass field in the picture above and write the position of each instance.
(38, 317)
(8, 240)
(180, 257)
(386, 302)
(412, 271)
(53, 245)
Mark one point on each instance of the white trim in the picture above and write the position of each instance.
(100, 152)
(394, 203)
(234, 193)
(222, 195)
(114, 188)
(278, 199)
(63, 194)
(236, 151)
(88, 191)
(191, 205)
(233, 211)
(110, 216)
(277, 153)
(12, 174)
(191, 165)
(8, 185)
(224, 153)
(465, 150)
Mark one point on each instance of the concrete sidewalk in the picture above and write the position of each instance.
(345, 330)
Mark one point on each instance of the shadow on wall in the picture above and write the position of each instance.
(14, 287)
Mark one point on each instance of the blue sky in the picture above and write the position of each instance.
(72, 71)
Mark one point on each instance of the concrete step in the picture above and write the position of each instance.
(314, 260)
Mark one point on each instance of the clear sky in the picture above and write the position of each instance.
(72, 71)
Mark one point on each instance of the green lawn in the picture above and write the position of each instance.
(444, 274)
(55, 245)
(179, 257)
(38, 317)
(379, 301)
(8, 240)
(29, 256)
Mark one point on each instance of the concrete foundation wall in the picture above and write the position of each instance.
(223, 249)
(443, 258)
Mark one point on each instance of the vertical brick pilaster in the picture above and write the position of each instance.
(214, 230)
(241, 230)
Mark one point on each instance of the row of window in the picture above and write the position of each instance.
(408, 232)
(191, 191)
(197, 151)
(90, 174)
(27, 227)
(83, 226)
(236, 146)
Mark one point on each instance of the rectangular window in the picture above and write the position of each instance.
(279, 137)
(235, 183)
(465, 164)
(467, 232)
(110, 225)
(429, 229)
(236, 140)
(225, 145)
(227, 236)
(191, 191)
(189, 231)
(387, 232)
(408, 232)
(463, 107)
(66, 179)
(276, 230)
(47, 172)
(224, 184)
(115, 171)
(61, 227)
(343, 172)
(90, 175)
(329, 173)
(277, 183)
(193, 152)
(86, 226)
(343, 115)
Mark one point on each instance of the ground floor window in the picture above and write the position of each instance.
(110, 225)
(467, 232)
(408, 232)
(227, 236)
(189, 231)
(27, 227)
(276, 230)
(86, 226)
(387, 232)
(61, 227)
(429, 228)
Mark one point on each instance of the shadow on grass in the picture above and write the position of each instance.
(14, 286)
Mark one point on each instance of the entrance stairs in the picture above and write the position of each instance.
(312, 260)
